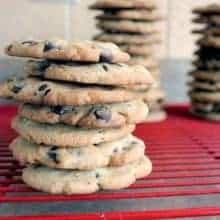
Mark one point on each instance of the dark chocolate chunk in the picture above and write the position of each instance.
(17, 87)
(106, 56)
(54, 148)
(102, 113)
(43, 90)
(61, 110)
(105, 67)
(53, 155)
(50, 46)
(115, 150)
(9, 47)
(97, 175)
(42, 87)
(46, 92)
(43, 65)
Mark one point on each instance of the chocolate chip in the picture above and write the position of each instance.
(105, 67)
(42, 87)
(106, 56)
(134, 142)
(115, 150)
(46, 92)
(61, 110)
(43, 90)
(54, 148)
(29, 42)
(43, 65)
(49, 46)
(9, 47)
(17, 87)
(102, 113)
(52, 154)
(97, 175)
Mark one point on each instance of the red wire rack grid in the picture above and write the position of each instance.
(185, 152)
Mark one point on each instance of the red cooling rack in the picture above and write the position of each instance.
(185, 181)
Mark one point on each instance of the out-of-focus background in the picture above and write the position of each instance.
(71, 19)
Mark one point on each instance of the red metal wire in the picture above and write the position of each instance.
(185, 153)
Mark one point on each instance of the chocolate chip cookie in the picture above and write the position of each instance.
(125, 38)
(205, 85)
(123, 4)
(88, 116)
(139, 50)
(66, 135)
(210, 41)
(128, 26)
(116, 153)
(127, 14)
(60, 181)
(98, 74)
(206, 110)
(205, 96)
(37, 91)
(206, 75)
(209, 9)
(87, 51)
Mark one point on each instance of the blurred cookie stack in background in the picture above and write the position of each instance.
(79, 106)
(205, 86)
(133, 26)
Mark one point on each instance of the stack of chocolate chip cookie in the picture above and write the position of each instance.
(79, 105)
(205, 87)
(132, 25)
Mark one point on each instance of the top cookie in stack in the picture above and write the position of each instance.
(132, 25)
(79, 106)
(205, 86)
